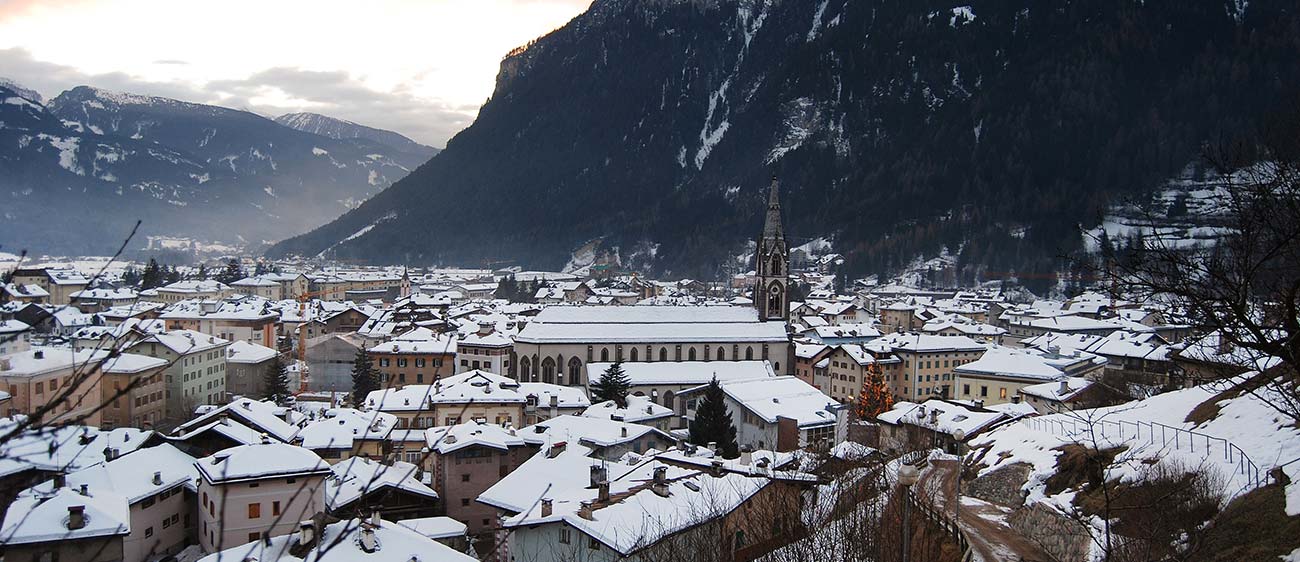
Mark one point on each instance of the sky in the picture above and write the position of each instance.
(419, 67)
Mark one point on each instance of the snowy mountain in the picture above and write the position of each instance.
(77, 172)
(331, 127)
(26, 93)
(899, 129)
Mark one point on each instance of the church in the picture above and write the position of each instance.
(561, 341)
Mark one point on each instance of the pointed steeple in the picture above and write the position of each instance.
(772, 224)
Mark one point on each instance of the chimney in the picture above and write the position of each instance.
(485, 328)
(39, 354)
(713, 446)
(5, 364)
(157, 478)
(602, 492)
(60, 480)
(76, 517)
(1065, 387)
(623, 431)
(746, 456)
(584, 511)
(306, 532)
(85, 490)
(1015, 399)
(546, 507)
(597, 476)
(555, 401)
(716, 468)
(369, 543)
(661, 475)
(556, 449)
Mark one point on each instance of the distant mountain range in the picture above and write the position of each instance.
(994, 130)
(76, 172)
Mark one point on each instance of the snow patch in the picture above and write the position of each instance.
(318, 151)
(67, 148)
(961, 14)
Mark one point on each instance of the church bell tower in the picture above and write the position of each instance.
(772, 264)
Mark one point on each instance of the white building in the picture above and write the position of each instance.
(251, 491)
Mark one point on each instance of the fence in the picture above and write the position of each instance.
(941, 521)
(1181, 439)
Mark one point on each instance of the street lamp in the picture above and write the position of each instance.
(959, 436)
(907, 476)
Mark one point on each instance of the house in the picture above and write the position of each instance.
(372, 540)
(197, 368)
(66, 525)
(99, 300)
(251, 491)
(243, 421)
(68, 382)
(250, 320)
(998, 376)
(605, 438)
(193, 289)
(1065, 394)
(262, 286)
(30, 456)
(557, 345)
(418, 356)
(155, 486)
(467, 458)
(443, 529)
(936, 423)
(849, 367)
(246, 367)
(476, 395)
(30, 293)
(339, 434)
(133, 391)
(13, 336)
(364, 486)
(662, 381)
(928, 361)
(58, 283)
(782, 413)
(486, 349)
(1213, 357)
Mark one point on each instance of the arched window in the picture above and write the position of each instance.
(749, 353)
(632, 354)
(778, 367)
(668, 399)
(575, 365)
(604, 354)
(525, 369)
(548, 370)
(663, 354)
(722, 353)
(691, 354)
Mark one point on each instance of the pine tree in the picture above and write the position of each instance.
(507, 289)
(875, 398)
(173, 275)
(713, 423)
(365, 379)
(153, 275)
(613, 385)
(233, 272)
(202, 273)
(275, 381)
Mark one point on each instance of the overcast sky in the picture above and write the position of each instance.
(418, 67)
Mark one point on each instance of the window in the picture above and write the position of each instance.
(147, 503)
(148, 532)
(254, 510)
(984, 391)
(566, 535)
(1002, 393)
(593, 544)
(965, 389)
(464, 477)
(254, 537)
(275, 508)
(464, 502)
(604, 354)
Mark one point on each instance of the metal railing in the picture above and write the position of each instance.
(1211, 447)
(942, 521)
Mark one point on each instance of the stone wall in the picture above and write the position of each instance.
(1063, 538)
(1001, 486)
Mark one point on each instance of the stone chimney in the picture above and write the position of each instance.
(306, 532)
(623, 431)
(547, 507)
(556, 449)
(597, 476)
(60, 480)
(157, 478)
(486, 328)
(1065, 387)
(716, 468)
(5, 364)
(584, 511)
(369, 542)
(602, 492)
(85, 490)
(76, 517)
(746, 456)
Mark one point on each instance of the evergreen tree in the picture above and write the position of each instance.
(507, 289)
(259, 269)
(713, 422)
(172, 276)
(613, 385)
(365, 379)
(233, 272)
(202, 273)
(875, 398)
(153, 275)
(275, 381)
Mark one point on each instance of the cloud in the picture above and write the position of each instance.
(171, 62)
(270, 92)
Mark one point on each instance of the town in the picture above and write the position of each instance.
(270, 411)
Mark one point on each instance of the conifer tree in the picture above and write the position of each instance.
(875, 398)
(233, 272)
(613, 385)
(365, 379)
(713, 423)
(153, 275)
(172, 276)
(275, 381)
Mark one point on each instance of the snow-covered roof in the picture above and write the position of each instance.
(40, 360)
(947, 416)
(588, 431)
(1071, 323)
(783, 397)
(45, 517)
(927, 343)
(129, 363)
(1008, 362)
(421, 341)
(194, 286)
(1213, 348)
(185, 342)
(639, 409)
(64, 448)
(269, 459)
(435, 527)
(1052, 390)
(104, 294)
(133, 476)
(684, 372)
(565, 396)
(358, 477)
(267, 417)
(650, 323)
(341, 542)
(448, 439)
(338, 428)
(246, 352)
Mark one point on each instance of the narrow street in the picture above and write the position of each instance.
(992, 539)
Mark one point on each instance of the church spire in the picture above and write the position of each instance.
(772, 263)
(772, 224)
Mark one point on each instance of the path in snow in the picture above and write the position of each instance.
(992, 539)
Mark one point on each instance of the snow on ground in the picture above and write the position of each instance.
(1266, 438)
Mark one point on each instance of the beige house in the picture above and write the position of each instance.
(59, 283)
(133, 391)
(193, 289)
(250, 320)
(254, 491)
(928, 362)
(40, 376)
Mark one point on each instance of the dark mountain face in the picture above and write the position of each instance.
(76, 173)
(341, 129)
(899, 128)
